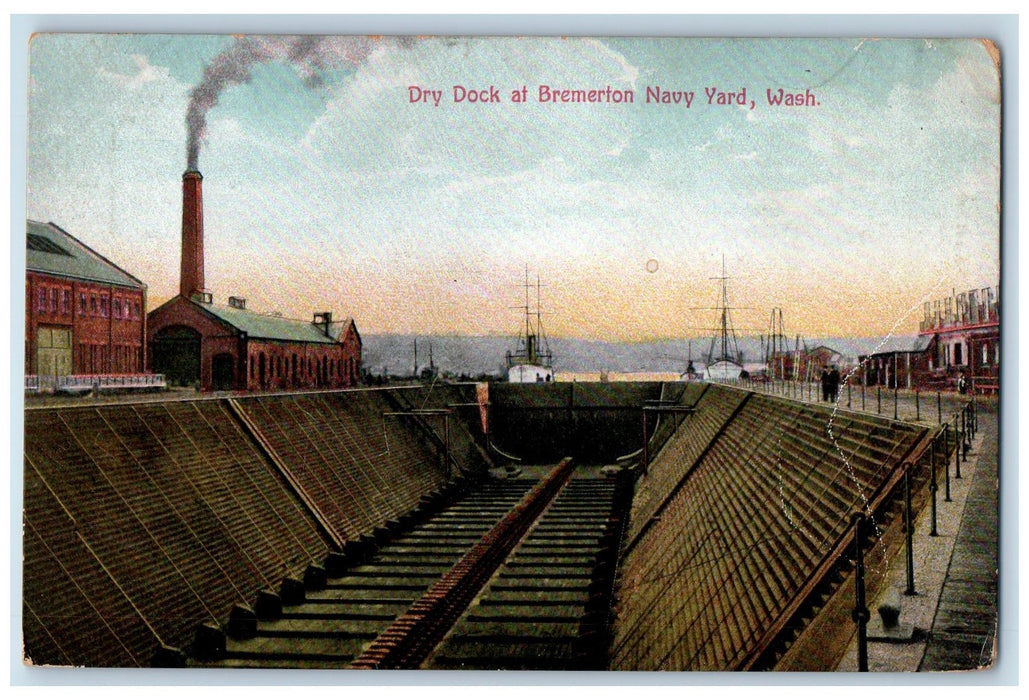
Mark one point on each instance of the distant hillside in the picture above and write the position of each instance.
(478, 355)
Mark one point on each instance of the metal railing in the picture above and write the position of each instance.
(81, 383)
(890, 402)
(948, 440)
(955, 434)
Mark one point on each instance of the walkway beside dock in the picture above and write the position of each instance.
(954, 608)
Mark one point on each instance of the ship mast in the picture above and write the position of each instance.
(725, 328)
(532, 348)
(539, 317)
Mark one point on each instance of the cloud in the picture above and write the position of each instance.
(363, 191)
(147, 73)
(388, 132)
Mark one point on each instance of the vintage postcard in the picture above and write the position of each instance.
(511, 353)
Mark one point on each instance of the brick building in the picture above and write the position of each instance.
(218, 347)
(900, 363)
(958, 335)
(84, 315)
(965, 328)
(192, 340)
(807, 364)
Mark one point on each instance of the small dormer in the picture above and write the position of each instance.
(238, 302)
(202, 297)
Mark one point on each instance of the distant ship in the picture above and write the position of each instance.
(724, 361)
(691, 374)
(532, 361)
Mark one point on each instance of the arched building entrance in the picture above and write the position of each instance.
(176, 355)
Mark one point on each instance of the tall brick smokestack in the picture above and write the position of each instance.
(191, 274)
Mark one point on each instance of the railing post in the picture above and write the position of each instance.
(895, 391)
(909, 527)
(860, 613)
(446, 442)
(966, 427)
(645, 455)
(946, 463)
(959, 439)
(878, 400)
(848, 394)
(918, 408)
(862, 397)
(939, 408)
(933, 485)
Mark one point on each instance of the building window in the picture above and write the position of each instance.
(103, 306)
(135, 310)
(66, 301)
(957, 353)
(82, 303)
(117, 307)
(53, 301)
(41, 299)
(92, 305)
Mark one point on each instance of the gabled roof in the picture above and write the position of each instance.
(338, 329)
(823, 349)
(49, 249)
(918, 343)
(268, 326)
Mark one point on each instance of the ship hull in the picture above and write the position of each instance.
(529, 374)
(723, 371)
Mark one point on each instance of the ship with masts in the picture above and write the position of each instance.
(724, 360)
(532, 361)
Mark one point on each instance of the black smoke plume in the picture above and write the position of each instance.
(311, 56)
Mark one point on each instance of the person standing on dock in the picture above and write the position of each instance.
(834, 384)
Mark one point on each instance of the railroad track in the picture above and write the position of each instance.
(511, 574)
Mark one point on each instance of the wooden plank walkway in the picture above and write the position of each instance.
(964, 631)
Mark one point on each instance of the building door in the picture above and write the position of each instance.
(53, 351)
(221, 372)
(176, 355)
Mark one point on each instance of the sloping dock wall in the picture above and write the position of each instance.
(734, 517)
(142, 520)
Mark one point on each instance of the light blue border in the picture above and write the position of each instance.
(1002, 29)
